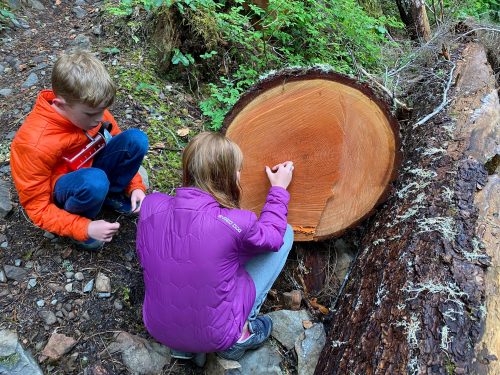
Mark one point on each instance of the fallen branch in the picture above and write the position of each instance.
(477, 29)
(443, 103)
(385, 89)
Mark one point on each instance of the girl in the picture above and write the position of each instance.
(208, 265)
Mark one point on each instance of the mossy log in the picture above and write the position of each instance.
(418, 297)
(341, 136)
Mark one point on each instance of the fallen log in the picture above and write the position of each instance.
(418, 295)
(341, 136)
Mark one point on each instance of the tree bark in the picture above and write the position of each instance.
(342, 138)
(414, 300)
(414, 16)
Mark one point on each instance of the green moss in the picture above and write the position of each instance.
(10, 360)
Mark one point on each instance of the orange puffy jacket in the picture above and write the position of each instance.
(36, 164)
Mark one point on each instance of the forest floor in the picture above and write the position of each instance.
(59, 271)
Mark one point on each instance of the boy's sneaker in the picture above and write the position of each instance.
(198, 358)
(90, 244)
(260, 329)
(118, 202)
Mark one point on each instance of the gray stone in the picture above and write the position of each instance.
(144, 176)
(35, 4)
(97, 30)
(5, 199)
(2, 69)
(81, 42)
(48, 317)
(3, 278)
(32, 80)
(39, 59)
(6, 92)
(14, 4)
(308, 348)
(79, 12)
(49, 235)
(102, 283)
(29, 264)
(69, 287)
(17, 262)
(263, 361)
(5, 169)
(4, 245)
(219, 366)
(89, 286)
(287, 325)
(69, 274)
(140, 355)
(79, 276)
(15, 273)
(31, 283)
(104, 295)
(118, 304)
(40, 303)
(10, 135)
(20, 23)
(15, 361)
(80, 2)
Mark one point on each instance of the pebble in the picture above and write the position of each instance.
(69, 287)
(40, 303)
(31, 81)
(69, 274)
(4, 245)
(53, 302)
(79, 276)
(48, 317)
(3, 278)
(86, 315)
(89, 286)
(17, 262)
(59, 314)
(49, 235)
(2, 69)
(118, 304)
(5, 92)
(31, 283)
(29, 264)
(104, 295)
(79, 12)
(68, 306)
(96, 30)
(71, 315)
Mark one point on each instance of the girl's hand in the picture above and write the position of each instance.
(136, 199)
(280, 174)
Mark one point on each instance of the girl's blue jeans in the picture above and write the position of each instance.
(265, 268)
(83, 192)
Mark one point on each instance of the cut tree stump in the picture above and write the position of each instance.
(341, 136)
(419, 297)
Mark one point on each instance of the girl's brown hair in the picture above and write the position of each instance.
(211, 163)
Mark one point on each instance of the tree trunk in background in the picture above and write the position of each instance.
(418, 295)
(414, 16)
(372, 7)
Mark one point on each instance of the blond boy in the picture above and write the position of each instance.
(62, 197)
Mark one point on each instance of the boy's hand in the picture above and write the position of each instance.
(102, 230)
(136, 199)
(282, 175)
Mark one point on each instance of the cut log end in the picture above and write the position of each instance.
(342, 139)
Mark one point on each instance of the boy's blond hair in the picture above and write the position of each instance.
(79, 77)
(211, 163)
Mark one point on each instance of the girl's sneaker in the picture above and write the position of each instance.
(90, 244)
(198, 358)
(260, 329)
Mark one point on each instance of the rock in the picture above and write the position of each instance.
(81, 42)
(31, 81)
(35, 4)
(15, 273)
(118, 304)
(102, 283)
(40, 303)
(95, 370)
(17, 262)
(14, 360)
(5, 200)
(69, 287)
(263, 361)
(48, 317)
(4, 245)
(29, 264)
(287, 326)
(103, 295)
(219, 366)
(79, 12)
(55, 287)
(144, 176)
(49, 235)
(57, 346)
(80, 2)
(14, 4)
(5, 169)
(293, 299)
(2, 69)
(10, 135)
(96, 30)
(308, 348)
(69, 274)
(79, 276)
(31, 283)
(3, 278)
(140, 355)
(88, 287)
(5, 92)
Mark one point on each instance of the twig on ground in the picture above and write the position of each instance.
(385, 89)
(444, 102)
(477, 29)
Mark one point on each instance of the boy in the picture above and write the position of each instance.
(62, 197)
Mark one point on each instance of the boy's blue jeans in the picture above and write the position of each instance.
(265, 268)
(83, 192)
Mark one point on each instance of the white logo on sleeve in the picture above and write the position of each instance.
(230, 222)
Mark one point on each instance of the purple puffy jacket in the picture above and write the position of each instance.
(193, 251)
